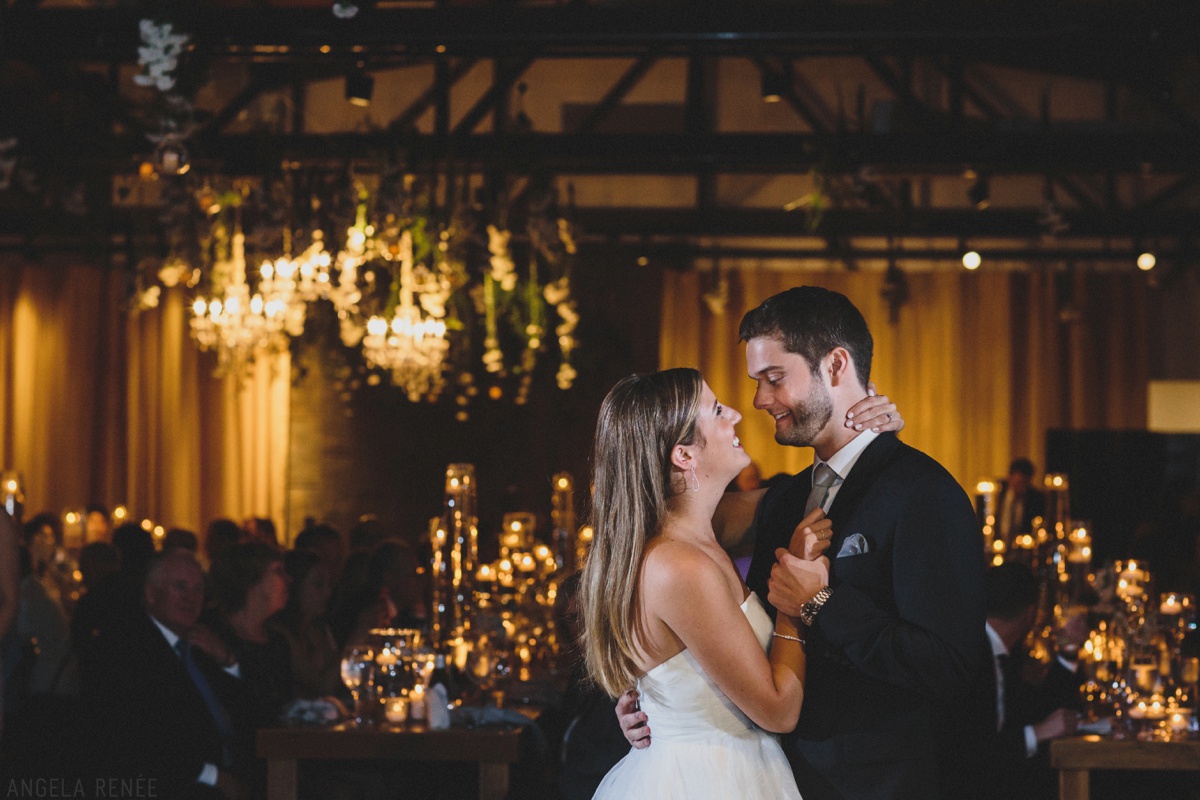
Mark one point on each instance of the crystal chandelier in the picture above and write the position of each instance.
(239, 325)
(412, 345)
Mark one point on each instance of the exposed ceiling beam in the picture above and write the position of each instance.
(1058, 30)
(1084, 150)
(1088, 231)
(613, 97)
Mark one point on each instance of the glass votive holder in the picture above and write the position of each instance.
(1179, 722)
(395, 711)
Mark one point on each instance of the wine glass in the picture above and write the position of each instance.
(501, 672)
(357, 662)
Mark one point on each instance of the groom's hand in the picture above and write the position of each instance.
(795, 581)
(634, 723)
(811, 537)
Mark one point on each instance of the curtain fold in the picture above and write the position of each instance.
(99, 403)
(61, 371)
(981, 364)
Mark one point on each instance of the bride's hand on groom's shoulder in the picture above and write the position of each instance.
(811, 538)
(794, 581)
(874, 412)
(633, 721)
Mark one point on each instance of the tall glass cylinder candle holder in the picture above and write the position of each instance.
(441, 583)
(455, 543)
(516, 533)
(1058, 504)
(562, 514)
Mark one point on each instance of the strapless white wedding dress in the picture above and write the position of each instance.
(702, 747)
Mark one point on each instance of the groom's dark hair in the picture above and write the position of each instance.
(812, 321)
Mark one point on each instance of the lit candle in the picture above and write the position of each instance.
(386, 658)
(1138, 711)
(396, 710)
(1179, 722)
(416, 703)
(1170, 605)
(485, 574)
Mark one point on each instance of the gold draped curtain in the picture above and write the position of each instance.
(99, 403)
(980, 364)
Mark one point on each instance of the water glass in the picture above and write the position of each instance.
(358, 662)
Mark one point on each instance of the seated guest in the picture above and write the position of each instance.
(48, 666)
(261, 529)
(181, 538)
(316, 660)
(248, 586)
(1015, 717)
(221, 535)
(53, 567)
(97, 523)
(394, 569)
(166, 701)
(392, 595)
(351, 595)
(118, 598)
(327, 543)
(367, 533)
(97, 561)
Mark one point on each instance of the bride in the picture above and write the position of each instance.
(663, 606)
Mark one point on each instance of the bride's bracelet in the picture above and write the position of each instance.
(779, 635)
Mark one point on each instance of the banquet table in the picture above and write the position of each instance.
(493, 749)
(1075, 757)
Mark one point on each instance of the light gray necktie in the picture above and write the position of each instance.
(824, 478)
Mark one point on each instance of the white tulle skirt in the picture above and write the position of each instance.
(727, 768)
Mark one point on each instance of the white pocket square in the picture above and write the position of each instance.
(855, 544)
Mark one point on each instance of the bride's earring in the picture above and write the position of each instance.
(695, 480)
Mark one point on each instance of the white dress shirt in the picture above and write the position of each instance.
(998, 649)
(843, 461)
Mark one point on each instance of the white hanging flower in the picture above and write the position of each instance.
(557, 292)
(566, 375)
(159, 54)
(503, 269)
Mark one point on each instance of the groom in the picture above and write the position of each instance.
(897, 631)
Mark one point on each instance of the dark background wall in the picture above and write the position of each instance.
(359, 449)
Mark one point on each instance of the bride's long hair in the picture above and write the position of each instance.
(641, 420)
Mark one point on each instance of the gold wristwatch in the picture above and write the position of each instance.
(808, 611)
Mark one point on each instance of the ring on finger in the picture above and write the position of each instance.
(889, 416)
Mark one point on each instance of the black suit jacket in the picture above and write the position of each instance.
(992, 764)
(902, 633)
(150, 719)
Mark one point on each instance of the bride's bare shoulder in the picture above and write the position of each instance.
(675, 569)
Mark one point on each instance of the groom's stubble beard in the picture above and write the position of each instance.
(809, 418)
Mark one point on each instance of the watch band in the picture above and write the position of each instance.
(808, 612)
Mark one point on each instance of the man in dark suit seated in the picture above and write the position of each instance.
(166, 695)
(1012, 717)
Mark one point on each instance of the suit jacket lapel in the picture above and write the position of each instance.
(873, 459)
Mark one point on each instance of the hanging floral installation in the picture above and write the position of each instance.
(439, 305)
(430, 295)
